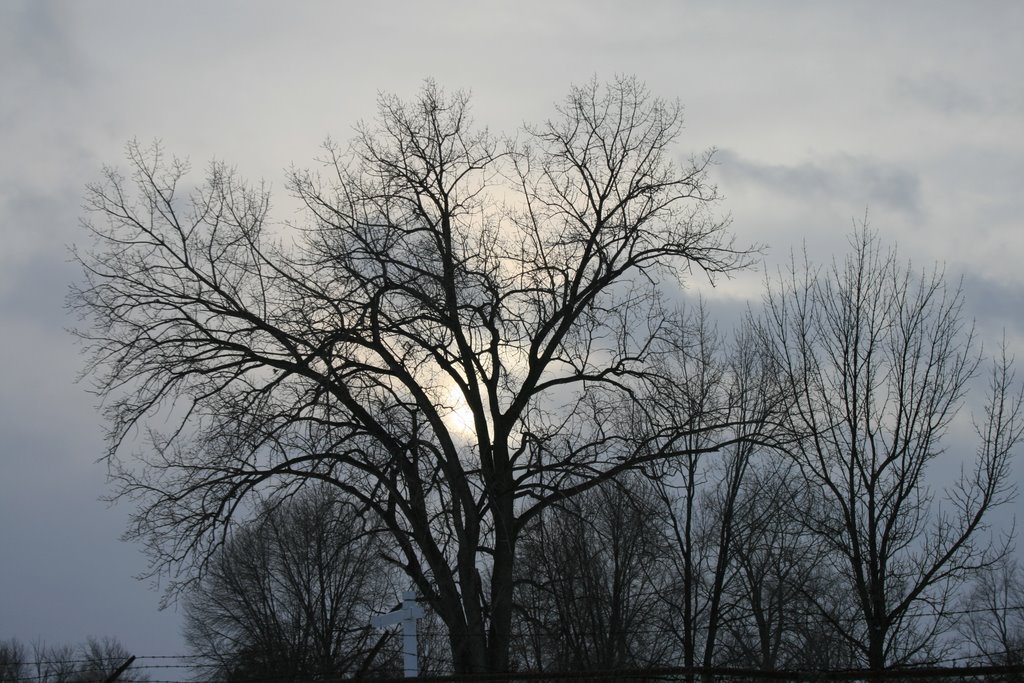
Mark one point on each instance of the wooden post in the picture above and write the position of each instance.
(119, 670)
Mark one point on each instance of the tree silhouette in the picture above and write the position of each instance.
(461, 332)
(878, 359)
(290, 595)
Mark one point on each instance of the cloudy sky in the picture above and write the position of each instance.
(821, 111)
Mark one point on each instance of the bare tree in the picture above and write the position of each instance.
(13, 662)
(95, 660)
(994, 615)
(100, 658)
(695, 384)
(55, 663)
(290, 595)
(878, 359)
(707, 381)
(783, 598)
(591, 577)
(443, 339)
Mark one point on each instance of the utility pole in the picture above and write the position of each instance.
(406, 615)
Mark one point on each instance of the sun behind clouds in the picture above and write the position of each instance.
(459, 416)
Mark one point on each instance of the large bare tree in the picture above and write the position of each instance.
(458, 334)
(878, 359)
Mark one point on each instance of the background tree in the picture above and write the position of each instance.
(993, 622)
(290, 595)
(13, 662)
(878, 359)
(443, 339)
(724, 390)
(592, 574)
(94, 660)
(55, 663)
(783, 599)
(99, 658)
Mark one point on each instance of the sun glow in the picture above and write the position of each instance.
(459, 417)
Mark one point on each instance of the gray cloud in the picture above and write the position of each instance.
(846, 178)
(953, 97)
(35, 38)
(938, 92)
(996, 305)
(40, 67)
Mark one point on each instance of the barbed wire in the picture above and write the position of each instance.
(521, 633)
(677, 673)
(198, 661)
(150, 667)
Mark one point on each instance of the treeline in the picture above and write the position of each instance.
(643, 572)
(93, 661)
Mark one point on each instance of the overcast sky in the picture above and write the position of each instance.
(821, 111)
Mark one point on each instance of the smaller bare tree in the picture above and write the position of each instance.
(721, 393)
(878, 359)
(780, 587)
(94, 660)
(591, 577)
(994, 615)
(100, 658)
(54, 663)
(13, 662)
(290, 594)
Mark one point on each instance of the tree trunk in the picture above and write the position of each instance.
(502, 584)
